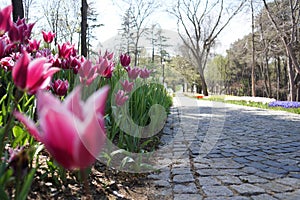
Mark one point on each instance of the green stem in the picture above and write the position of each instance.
(10, 121)
(86, 186)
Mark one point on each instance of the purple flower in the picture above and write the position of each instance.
(285, 104)
(125, 60)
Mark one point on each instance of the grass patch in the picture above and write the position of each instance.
(221, 98)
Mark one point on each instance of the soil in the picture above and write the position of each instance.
(104, 183)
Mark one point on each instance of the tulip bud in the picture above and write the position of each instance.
(60, 87)
(125, 60)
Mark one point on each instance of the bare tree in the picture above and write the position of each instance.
(139, 11)
(27, 5)
(253, 50)
(199, 24)
(287, 30)
(51, 11)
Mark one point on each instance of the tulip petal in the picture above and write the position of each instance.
(74, 104)
(60, 135)
(90, 141)
(97, 101)
(19, 72)
(45, 99)
(35, 71)
(29, 124)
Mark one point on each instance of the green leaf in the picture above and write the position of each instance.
(126, 160)
(3, 194)
(20, 136)
(4, 178)
(27, 184)
(121, 151)
(17, 131)
(3, 98)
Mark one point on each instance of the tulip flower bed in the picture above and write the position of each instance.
(64, 117)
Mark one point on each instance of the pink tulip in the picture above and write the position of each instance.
(5, 20)
(127, 86)
(72, 131)
(48, 37)
(109, 55)
(102, 65)
(32, 75)
(125, 60)
(120, 98)
(87, 73)
(133, 73)
(145, 73)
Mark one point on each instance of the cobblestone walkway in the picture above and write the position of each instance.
(221, 151)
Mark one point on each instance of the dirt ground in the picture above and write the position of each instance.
(104, 183)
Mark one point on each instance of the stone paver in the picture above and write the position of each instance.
(223, 151)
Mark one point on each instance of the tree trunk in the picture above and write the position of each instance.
(84, 8)
(292, 88)
(253, 54)
(204, 86)
(278, 77)
(18, 9)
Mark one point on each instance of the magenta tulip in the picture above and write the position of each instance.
(109, 71)
(72, 131)
(65, 50)
(60, 87)
(32, 75)
(33, 45)
(7, 63)
(48, 37)
(125, 60)
(5, 20)
(20, 31)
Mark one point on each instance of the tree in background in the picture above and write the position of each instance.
(27, 5)
(127, 32)
(217, 74)
(18, 9)
(199, 24)
(137, 13)
(84, 9)
(284, 16)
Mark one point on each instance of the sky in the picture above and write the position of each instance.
(110, 16)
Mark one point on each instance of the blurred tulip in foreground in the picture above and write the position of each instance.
(72, 131)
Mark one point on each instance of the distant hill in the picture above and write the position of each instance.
(173, 39)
